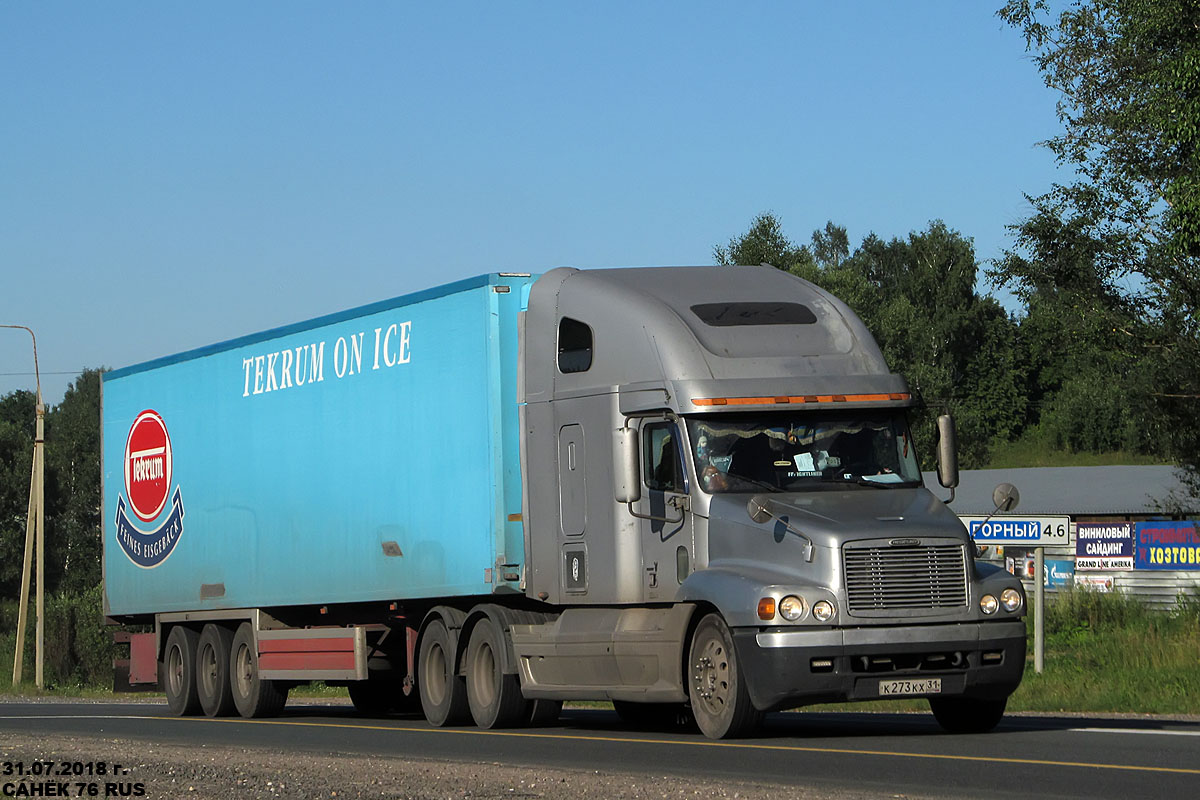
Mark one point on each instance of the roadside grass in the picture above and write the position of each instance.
(1104, 653)
(1109, 653)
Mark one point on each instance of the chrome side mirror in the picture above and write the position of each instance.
(947, 452)
(627, 475)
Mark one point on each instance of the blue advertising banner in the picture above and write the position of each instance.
(1167, 545)
(1103, 545)
(1058, 573)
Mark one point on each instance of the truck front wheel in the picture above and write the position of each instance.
(443, 693)
(177, 671)
(253, 696)
(966, 714)
(719, 697)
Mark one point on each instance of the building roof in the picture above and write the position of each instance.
(1123, 490)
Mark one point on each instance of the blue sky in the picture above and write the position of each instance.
(177, 174)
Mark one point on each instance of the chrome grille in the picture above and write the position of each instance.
(905, 577)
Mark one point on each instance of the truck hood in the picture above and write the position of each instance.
(828, 518)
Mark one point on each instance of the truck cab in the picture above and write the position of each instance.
(722, 496)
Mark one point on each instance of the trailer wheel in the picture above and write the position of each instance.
(720, 699)
(212, 670)
(966, 714)
(177, 671)
(253, 696)
(495, 697)
(443, 692)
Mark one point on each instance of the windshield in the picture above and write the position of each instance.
(787, 452)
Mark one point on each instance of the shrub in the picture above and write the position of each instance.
(79, 648)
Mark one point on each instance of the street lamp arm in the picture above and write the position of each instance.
(35, 531)
(36, 373)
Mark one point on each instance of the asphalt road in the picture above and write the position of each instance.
(884, 754)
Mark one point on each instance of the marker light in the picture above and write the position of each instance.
(1010, 599)
(791, 608)
(988, 604)
(800, 399)
(823, 610)
(766, 608)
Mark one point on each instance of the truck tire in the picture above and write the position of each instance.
(252, 696)
(212, 670)
(177, 671)
(494, 697)
(443, 692)
(719, 697)
(378, 696)
(967, 714)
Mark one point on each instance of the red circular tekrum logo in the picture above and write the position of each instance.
(147, 465)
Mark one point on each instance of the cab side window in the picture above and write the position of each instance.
(574, 346)
(662, 468)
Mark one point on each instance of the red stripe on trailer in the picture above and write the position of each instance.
(338, 644)
(306, 661)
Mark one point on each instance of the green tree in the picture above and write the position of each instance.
(1082, 338)
(917, 296)
(1128, 76)
(73, 459)
(71, 491)
(954, 345)
(764, 243)
(830, 246)
(16, 465)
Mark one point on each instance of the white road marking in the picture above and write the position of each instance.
(1134, 730)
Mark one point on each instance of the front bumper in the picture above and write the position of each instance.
(785, 668)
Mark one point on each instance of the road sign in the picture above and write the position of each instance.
(1009, 529)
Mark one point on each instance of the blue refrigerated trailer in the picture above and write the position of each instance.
(678, 489)
(301, 463)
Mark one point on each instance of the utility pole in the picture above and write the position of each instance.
(35, 529)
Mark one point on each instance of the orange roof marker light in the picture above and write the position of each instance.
(800, 399)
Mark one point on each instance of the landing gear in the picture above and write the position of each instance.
(720, 699)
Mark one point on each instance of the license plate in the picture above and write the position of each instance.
(926, 686)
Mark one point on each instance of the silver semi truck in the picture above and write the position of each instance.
(678, 489)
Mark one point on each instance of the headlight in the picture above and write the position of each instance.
(1010, 599)
(823, 610)
(791, 608)
(988, 604)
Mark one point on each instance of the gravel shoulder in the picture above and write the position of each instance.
(174, 771)
(213, 773)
